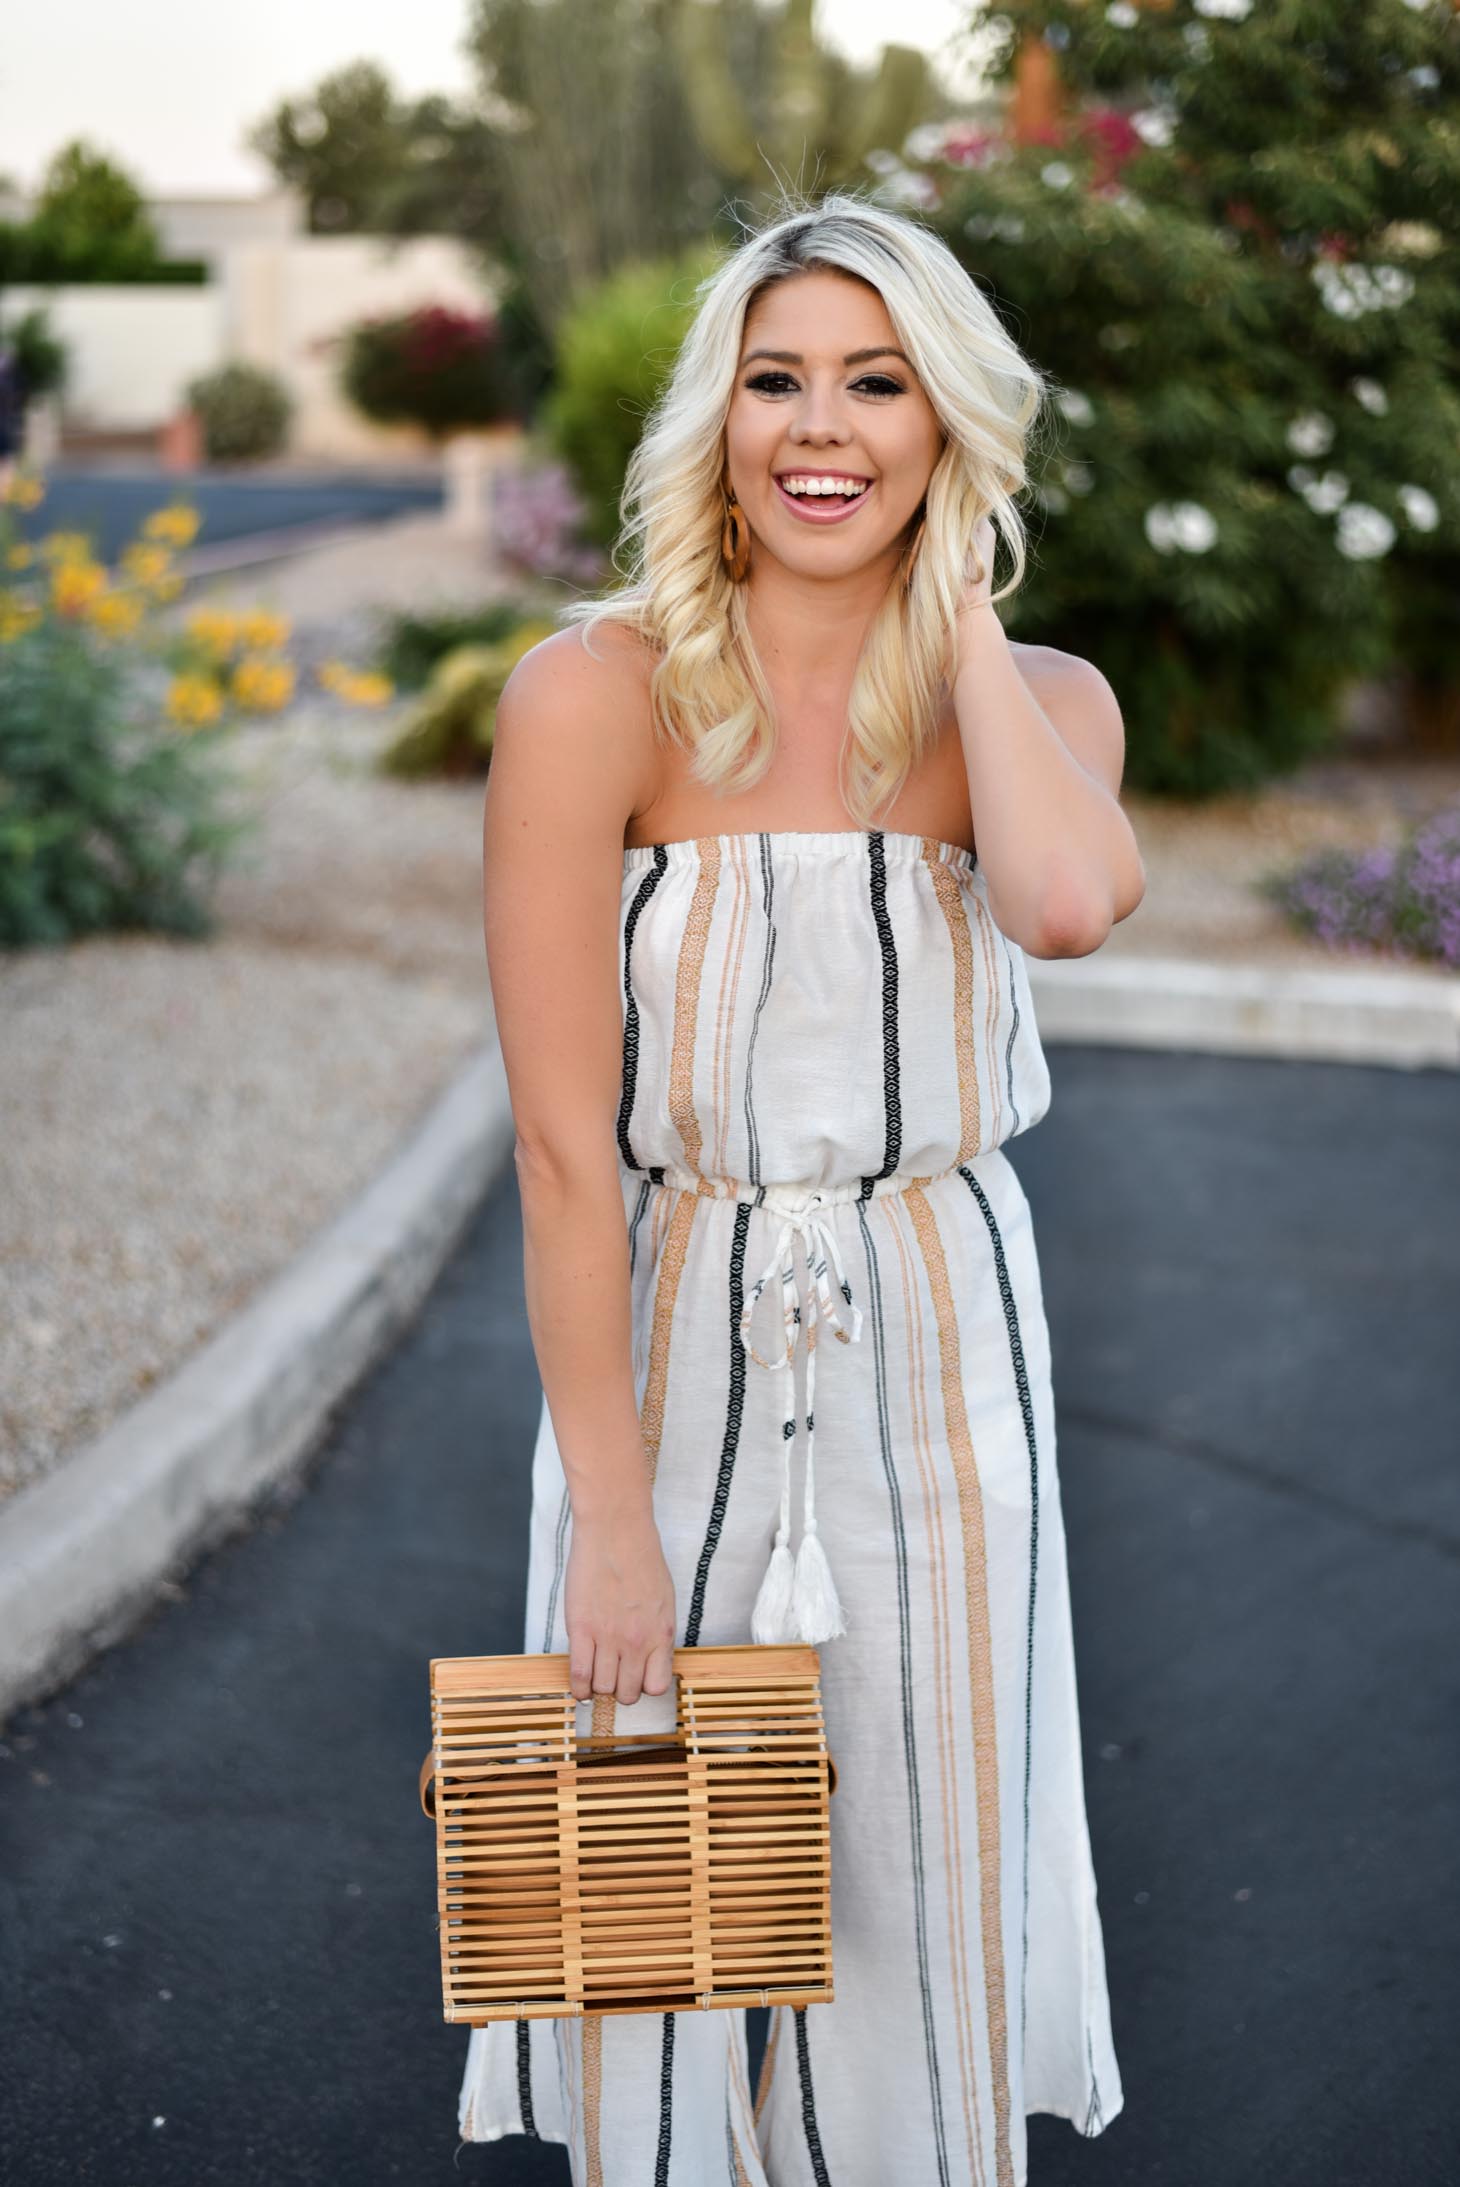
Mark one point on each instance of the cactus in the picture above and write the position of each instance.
(763, 93)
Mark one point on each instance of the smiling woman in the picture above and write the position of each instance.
(759, 881)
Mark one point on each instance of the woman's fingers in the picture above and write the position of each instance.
(659, 1669)
(595, 1668)
(580, 1668)
(605, 1668)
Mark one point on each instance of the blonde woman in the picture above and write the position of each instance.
(770, 832)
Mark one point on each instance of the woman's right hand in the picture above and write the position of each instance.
(619, 1608)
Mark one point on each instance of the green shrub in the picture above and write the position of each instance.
(615, 351)
(89, 223)
(244, 412)
(42, 357)
(106, 821)
(443, 370)
(449, 730)
(413, 644)
(45, 260)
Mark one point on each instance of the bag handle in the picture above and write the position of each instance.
(753, 1659)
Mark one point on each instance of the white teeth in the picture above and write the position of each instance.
(849, 488)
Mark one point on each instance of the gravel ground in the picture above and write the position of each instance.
(189, 1114)
(182, 1117)
(1203, 861)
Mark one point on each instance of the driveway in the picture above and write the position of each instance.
(111, 503)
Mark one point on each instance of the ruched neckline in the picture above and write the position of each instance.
(902, 844)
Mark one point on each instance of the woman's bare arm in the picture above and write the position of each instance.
(569, 766)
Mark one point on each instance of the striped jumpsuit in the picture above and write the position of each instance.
(826, 1040)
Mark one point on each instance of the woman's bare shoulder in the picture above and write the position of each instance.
(574, 719)
(607, 665)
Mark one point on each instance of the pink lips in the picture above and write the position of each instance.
(823, 508)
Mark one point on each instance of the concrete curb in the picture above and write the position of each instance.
(1410, 1020)
(83, 1553)
(252, 550)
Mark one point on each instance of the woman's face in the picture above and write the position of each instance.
(834, 399)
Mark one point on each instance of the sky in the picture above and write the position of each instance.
(169, 86)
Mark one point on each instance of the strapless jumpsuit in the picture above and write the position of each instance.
(826, 1042)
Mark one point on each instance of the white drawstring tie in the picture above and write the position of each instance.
(798, 1599)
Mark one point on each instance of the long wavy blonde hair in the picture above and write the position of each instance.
(708, 690)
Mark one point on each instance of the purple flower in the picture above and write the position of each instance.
(538, 518)
(1406, 900)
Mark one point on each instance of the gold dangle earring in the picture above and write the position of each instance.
(734, 536)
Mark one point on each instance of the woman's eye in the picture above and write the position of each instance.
(871, 383)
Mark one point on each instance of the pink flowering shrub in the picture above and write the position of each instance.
(538, 516)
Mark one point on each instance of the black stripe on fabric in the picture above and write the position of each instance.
(768, 886)
(1013, 1034)
(1095, 2114)
(635, 1221)
(666, 2102)
(734, 1419)
(808, 2102)
(905, 1673)
(644, 891)
(524, 2078)
(891, 1085)
(1026, 1411)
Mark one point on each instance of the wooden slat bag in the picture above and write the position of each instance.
(623, 1872)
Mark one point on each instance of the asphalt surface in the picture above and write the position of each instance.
(217, 1924)
(110, 504)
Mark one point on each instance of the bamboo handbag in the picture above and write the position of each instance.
(574, 1876)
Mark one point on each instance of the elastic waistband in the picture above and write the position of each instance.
(791, 1199)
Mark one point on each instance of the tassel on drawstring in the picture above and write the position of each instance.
(798, 1598)
(815, 1611)
(771, 1619)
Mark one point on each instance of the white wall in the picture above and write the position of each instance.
(287, 304)
(205, 227)
(279, 303)
(130, 350)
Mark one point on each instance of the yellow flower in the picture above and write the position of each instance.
(19, 557)
(66, 547)
(75, 586)
(214, 631)
(262, 632)
(356, 686)
(194, 701)
(168, 587)
(147, 562)
(25, 491)
(176, 525)
(262, 684)
(17, 616)
(117, 614)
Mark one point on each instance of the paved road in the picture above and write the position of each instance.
(1253, 1271)
(112, 503)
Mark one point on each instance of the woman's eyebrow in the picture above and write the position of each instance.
(853, 356)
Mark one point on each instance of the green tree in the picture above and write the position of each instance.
(341, 146)
(89, 208)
